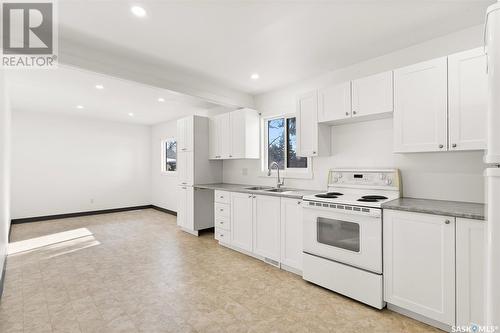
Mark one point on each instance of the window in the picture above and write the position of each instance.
(281, 145)
(169, 155)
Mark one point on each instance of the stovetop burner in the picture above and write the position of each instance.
(376, 197)
(372, 198)
(329, 195)
(367, 200)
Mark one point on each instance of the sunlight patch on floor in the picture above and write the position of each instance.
(48, 240)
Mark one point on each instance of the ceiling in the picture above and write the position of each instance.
(283, 41)
(63, 89)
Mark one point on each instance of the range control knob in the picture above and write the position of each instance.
(339, 175)
(382, 176)
(388, 181)
(335, 179)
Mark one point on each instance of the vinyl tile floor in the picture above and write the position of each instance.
(138, 272)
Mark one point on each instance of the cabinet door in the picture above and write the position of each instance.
(470, 272)
(213, 151)
(181, 134)
(419, 264)
(238, 137)
(420, 113)
(307, 124)
(468, 100)
(266, 227)
(241, 220)
(182, 206)
(224, 135)
(334, 102)
(291, 233)
(189, 210)
(185, 168)
(373, 95)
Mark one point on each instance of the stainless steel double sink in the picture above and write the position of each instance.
(268, 189)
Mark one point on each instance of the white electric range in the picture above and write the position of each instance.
(342, 232)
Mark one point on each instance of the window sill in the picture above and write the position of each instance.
(288, 174)
(169, 174)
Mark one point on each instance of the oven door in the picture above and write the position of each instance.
(348, 237)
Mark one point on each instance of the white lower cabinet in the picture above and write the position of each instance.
(185, 211)
(470, 272)
(242, 221)
(419, 264)
(266, 227)
(291, 233)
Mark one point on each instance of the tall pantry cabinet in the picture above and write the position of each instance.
(195, 209)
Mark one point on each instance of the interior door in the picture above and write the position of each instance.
(266, 226)
(373, 95)
(420, 114)
(334, 102)
(468, 100)
(242, 220)
(307, 124)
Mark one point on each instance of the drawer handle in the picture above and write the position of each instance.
(447, 222)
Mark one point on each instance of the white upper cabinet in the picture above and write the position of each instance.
(420, 113)
(467, 92)
(334, 102)
(185, 134)
(419, 264)
(313, 139)
(373, 95)
(185, 168)
(235, 135)
(266, 240)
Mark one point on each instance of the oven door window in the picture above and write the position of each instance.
(340, 234)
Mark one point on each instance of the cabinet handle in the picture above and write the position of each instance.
(299, 202)
(454, 145)
(447, 222)
(347, 113)
(314, 153)
(249, 196)
(230, 155)
(353, 112)
(221, 222)
(441, 146)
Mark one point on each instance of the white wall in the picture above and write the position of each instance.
(4, 171)
(163, 186)
(447, 176)
(66, 164)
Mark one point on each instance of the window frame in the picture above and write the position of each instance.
(304, 173)
(163, 159)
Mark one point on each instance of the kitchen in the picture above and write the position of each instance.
(366, 180)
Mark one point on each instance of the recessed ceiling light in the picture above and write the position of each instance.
(161, 99)
(254, 76)
(130, 114)
(138, 11)
(79, 106)
(99, 86)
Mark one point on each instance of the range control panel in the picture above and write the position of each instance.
(383, 178)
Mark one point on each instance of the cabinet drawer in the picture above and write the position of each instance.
(222, 197)
(223, 236)
(222, 210)
(222, 222)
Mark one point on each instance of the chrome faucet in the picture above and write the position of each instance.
(280, 182)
